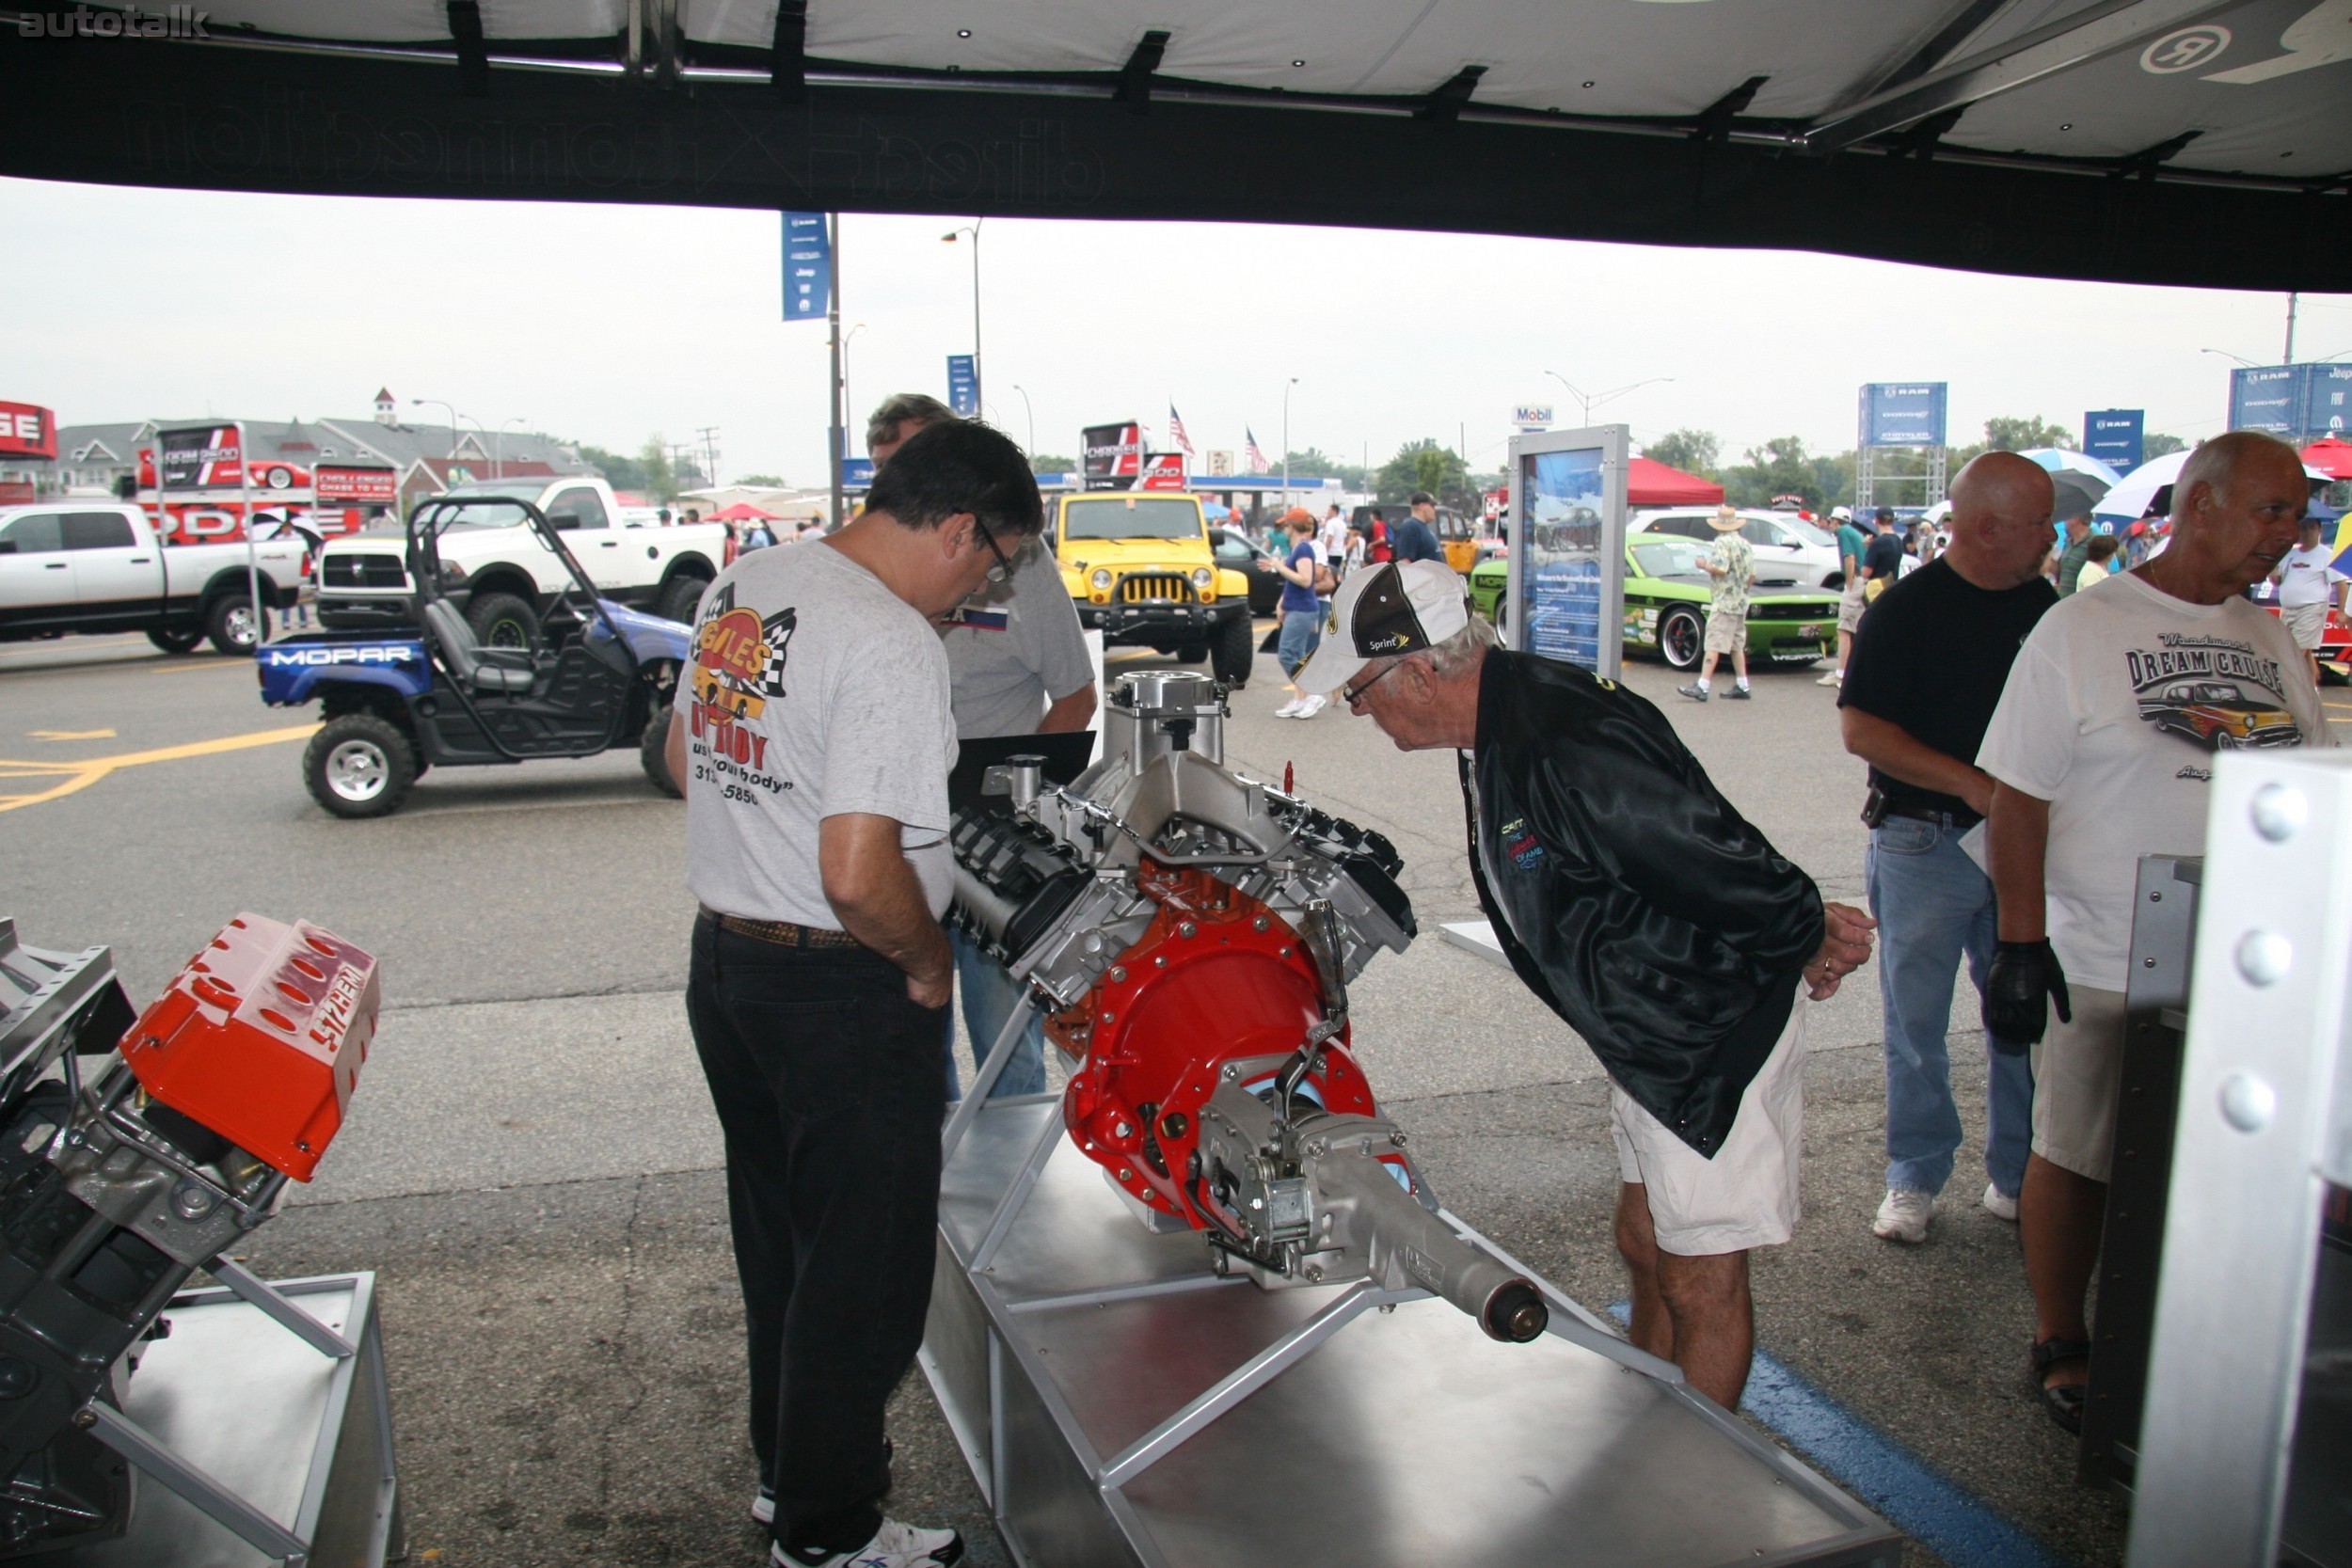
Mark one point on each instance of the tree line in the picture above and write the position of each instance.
(1783, 467)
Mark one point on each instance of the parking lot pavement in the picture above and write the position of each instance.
(531, 1162)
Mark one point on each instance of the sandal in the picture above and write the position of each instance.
(2065, 1401)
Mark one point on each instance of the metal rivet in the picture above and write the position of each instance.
(1119, 971)
(2264, 957)
(2248, 1103)
(1126, 1175)
(1159, 961)
(2147, 963)
(1186, 928)
(2155, 898)
(1260, 924)
(2279, 812)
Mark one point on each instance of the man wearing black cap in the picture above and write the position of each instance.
(1639, 905)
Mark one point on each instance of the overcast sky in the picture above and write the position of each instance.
(608, 323)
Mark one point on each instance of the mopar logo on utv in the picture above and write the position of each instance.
(397, 654)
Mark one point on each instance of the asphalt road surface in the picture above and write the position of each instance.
(532, 1166)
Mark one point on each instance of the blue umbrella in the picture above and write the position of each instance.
(2059, 461)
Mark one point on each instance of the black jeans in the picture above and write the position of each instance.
(827, 1083)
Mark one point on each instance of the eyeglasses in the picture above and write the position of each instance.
(1002, 571)
(1355, 694)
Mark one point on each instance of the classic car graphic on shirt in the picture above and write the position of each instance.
(2219, 715)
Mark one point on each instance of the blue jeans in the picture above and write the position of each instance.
(990, 995)
(1302, 629)
(1933, 906)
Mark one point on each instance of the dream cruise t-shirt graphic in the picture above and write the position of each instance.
(2114, 710)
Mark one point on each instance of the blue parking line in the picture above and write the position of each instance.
(1901, 1487)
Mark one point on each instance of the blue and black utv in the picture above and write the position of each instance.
(399, 701)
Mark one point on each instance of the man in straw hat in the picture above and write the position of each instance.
(1731, 562)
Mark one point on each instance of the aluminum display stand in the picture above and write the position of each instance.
(1121, 1403)
(259, 1431)
(2240, 1357)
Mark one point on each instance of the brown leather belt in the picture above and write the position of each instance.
(783, 933)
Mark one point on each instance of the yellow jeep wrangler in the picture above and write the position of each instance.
(1139, 567)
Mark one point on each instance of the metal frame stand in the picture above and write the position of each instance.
(1054, 1308)
(348, 1509)
(2266, 1121)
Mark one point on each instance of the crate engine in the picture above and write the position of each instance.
(1191, 934)
(137, 1150)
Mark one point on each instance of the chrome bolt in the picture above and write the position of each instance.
(2264, 957)
(1286, 952)
(1159, 961)
(1119, 971)
(1257, 1203)
(1397, 1139)
(1315, 1148)
(1232, 1071)
(1260, 924)
(1315, 1270)
(86, 1419)
(2279, 812)
(2248, 1103)
(1126, 1175)
(1186, 928)
(1121, 1130)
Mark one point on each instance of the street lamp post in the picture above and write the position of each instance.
(498, 462)
(1286, 440)
(2227, 354)
(453, 421)
(950, 239)
(1031, 414)
(846, 400)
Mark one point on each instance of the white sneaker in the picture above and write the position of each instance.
(764, 1506)
(898, 1546)
(1904, 1215)
(1311, 706)
(1290, 709)
(1832, 678)
(1998, 1206)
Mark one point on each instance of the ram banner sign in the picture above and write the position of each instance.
(1902, 414)
(2262, 397)
(2115, 437)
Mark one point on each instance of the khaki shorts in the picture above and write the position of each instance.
(2076, 1070)
(1726, 634)
(1746, 1195)
(2305, 624)
(1852, 605)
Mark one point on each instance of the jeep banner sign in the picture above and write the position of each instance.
(27, 431)
(1112, 455)
(355, 486)
(206, 457)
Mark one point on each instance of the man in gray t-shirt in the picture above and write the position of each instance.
(1018, 664)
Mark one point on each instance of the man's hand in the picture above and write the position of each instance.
(2022, 974)
(932, 992)
(1845, 947)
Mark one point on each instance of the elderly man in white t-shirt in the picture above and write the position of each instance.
(2102, 752)
(2308, 585)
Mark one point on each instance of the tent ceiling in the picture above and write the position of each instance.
(2158, 140)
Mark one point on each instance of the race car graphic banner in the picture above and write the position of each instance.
(1112, 455)
(201, 457)
(27, 431)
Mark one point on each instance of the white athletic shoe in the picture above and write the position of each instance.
(1998, 1206)
(1290, 709)
(764, 1506)
(1832, 678)
(1313, 705)
(1904, 1215)
(898, 1546)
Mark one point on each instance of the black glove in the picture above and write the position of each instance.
(2022, 973)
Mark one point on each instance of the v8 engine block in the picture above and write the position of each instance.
(1191, 934)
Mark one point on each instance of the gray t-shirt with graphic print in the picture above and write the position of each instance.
(812, 692)
(1014, 649)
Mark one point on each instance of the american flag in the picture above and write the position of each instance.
(1176, 430)
(1256, 455)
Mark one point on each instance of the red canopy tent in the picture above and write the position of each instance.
(743, 512)
(2330, 457)
(1652, 483)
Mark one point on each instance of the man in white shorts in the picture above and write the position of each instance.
(1642, 909)
(2309, 586)
(2125, 694)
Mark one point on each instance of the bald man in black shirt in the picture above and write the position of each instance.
(1929, 659)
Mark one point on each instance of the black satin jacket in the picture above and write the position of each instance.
(1641, 906)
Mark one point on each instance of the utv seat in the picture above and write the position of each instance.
(468, 660)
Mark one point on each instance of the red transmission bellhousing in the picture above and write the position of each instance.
(1216, 977)
(261, 1036)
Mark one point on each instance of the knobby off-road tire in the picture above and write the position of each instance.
(1235, 653)
(359, 766)
(652, 754)
(503, 621)
(678, 601)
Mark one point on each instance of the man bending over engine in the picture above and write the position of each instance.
(1642, 909)
(814, 737)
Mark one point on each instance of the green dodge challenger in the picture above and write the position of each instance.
(1665, 607)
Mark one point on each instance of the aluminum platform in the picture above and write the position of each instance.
(1087, 1367)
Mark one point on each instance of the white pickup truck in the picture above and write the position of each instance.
(499, 575)
(97, 566)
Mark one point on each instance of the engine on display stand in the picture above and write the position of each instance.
(137, 1151)
(1191, 934)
